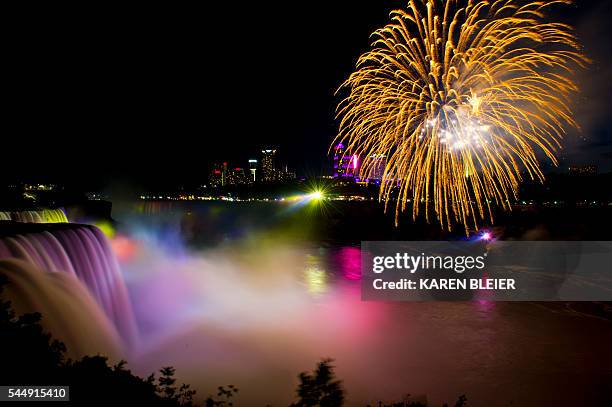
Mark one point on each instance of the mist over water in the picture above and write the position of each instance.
(250, 295)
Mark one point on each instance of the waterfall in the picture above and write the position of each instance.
(39, 216)
(68, 310)
(80, 251)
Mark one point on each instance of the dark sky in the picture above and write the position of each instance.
(153, 95)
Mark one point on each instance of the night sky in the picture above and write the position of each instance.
(151, 96)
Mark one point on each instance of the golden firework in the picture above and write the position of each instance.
(460, 96)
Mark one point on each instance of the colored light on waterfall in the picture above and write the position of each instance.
(38, 216)
(84, 252)
(106, 228)
(123, 247)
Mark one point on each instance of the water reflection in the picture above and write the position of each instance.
(258, 307)
(314, 276)
(348, 260)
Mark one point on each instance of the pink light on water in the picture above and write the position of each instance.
(124, 247)
(349, 260)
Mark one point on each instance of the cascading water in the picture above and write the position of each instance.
(68, 310)
(80, 251)
(40, 216)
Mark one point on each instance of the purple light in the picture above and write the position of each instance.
(486, 236)
(355, 162)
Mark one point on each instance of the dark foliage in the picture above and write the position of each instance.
(29, 356)
(461, 402)
(320, 387)
(225, 395)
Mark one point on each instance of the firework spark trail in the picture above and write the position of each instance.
(459, 95)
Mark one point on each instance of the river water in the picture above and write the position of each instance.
(252, 294)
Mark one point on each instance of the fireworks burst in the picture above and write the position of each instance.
(459, 96)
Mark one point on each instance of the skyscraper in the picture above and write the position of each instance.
(267, 165)
(378, 164)
(285, 174)
(237, 176)
(346, 165)
(338, 154)
(218, 176)
(224, 174)
(253, 169)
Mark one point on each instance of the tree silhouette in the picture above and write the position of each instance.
(320, 387)
(31, 357)
(28, 354)
(462, 402)
(185, 395)
(166, 388)
(226, 393)
(91, 378)
(166, 382)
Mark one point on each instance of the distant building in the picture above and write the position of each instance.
(96, 196)
(285, 174)
(338, 154)
(215, 178)
(39, 187)
(253, 169)
(346, 165)
(237, 176)
(378, 163)
(588, 169)
(268, 165)
(218, 175)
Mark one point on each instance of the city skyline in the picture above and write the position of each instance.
(308, 204)
(264, 168)
(151, 121)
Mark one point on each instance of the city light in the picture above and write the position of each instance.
(486, 236)
(344, 205)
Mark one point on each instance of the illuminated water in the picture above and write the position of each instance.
(70, 274)
(38, 216)
(68, 309)
(252, 295)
